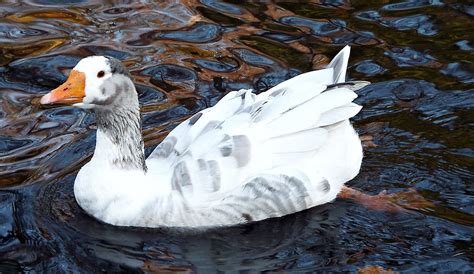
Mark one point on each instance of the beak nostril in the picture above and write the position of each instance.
(69, 92)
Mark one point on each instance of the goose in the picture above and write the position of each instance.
(248, 158)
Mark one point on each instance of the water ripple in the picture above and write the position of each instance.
(406, 57)
(198, 33)
(184, 56)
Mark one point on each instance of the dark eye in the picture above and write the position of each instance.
(100, 74)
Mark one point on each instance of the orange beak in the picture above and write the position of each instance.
(71, 92)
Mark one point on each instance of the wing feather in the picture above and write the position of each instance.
(241, 156)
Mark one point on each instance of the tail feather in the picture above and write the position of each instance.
(320, 77)
(338, 114)
(297, 142)
(307, 115)
(293, 118)
(339, 64)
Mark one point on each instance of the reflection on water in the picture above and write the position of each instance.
(184, 55)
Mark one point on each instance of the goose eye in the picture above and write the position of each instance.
(100, 74)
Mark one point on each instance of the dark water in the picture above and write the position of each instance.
(417, 124)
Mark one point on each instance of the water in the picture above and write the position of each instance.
(417, 124)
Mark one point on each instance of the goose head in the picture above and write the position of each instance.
(96, 82)
(104, 85)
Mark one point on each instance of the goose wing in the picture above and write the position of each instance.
(250, 151)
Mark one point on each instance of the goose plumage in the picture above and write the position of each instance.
(248, 158)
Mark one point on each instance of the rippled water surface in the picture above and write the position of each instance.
(417, 125)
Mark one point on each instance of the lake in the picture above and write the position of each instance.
(417, 126)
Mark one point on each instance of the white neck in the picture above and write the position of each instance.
(119, 139)
(115, 186)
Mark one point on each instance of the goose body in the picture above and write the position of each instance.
(248, 158)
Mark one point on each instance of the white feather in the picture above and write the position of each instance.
(307, 114)
(339, 64)
(298, 142)
(317, 77)
(248, 158)
(338, 114)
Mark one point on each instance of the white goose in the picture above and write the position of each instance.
(248, 158)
